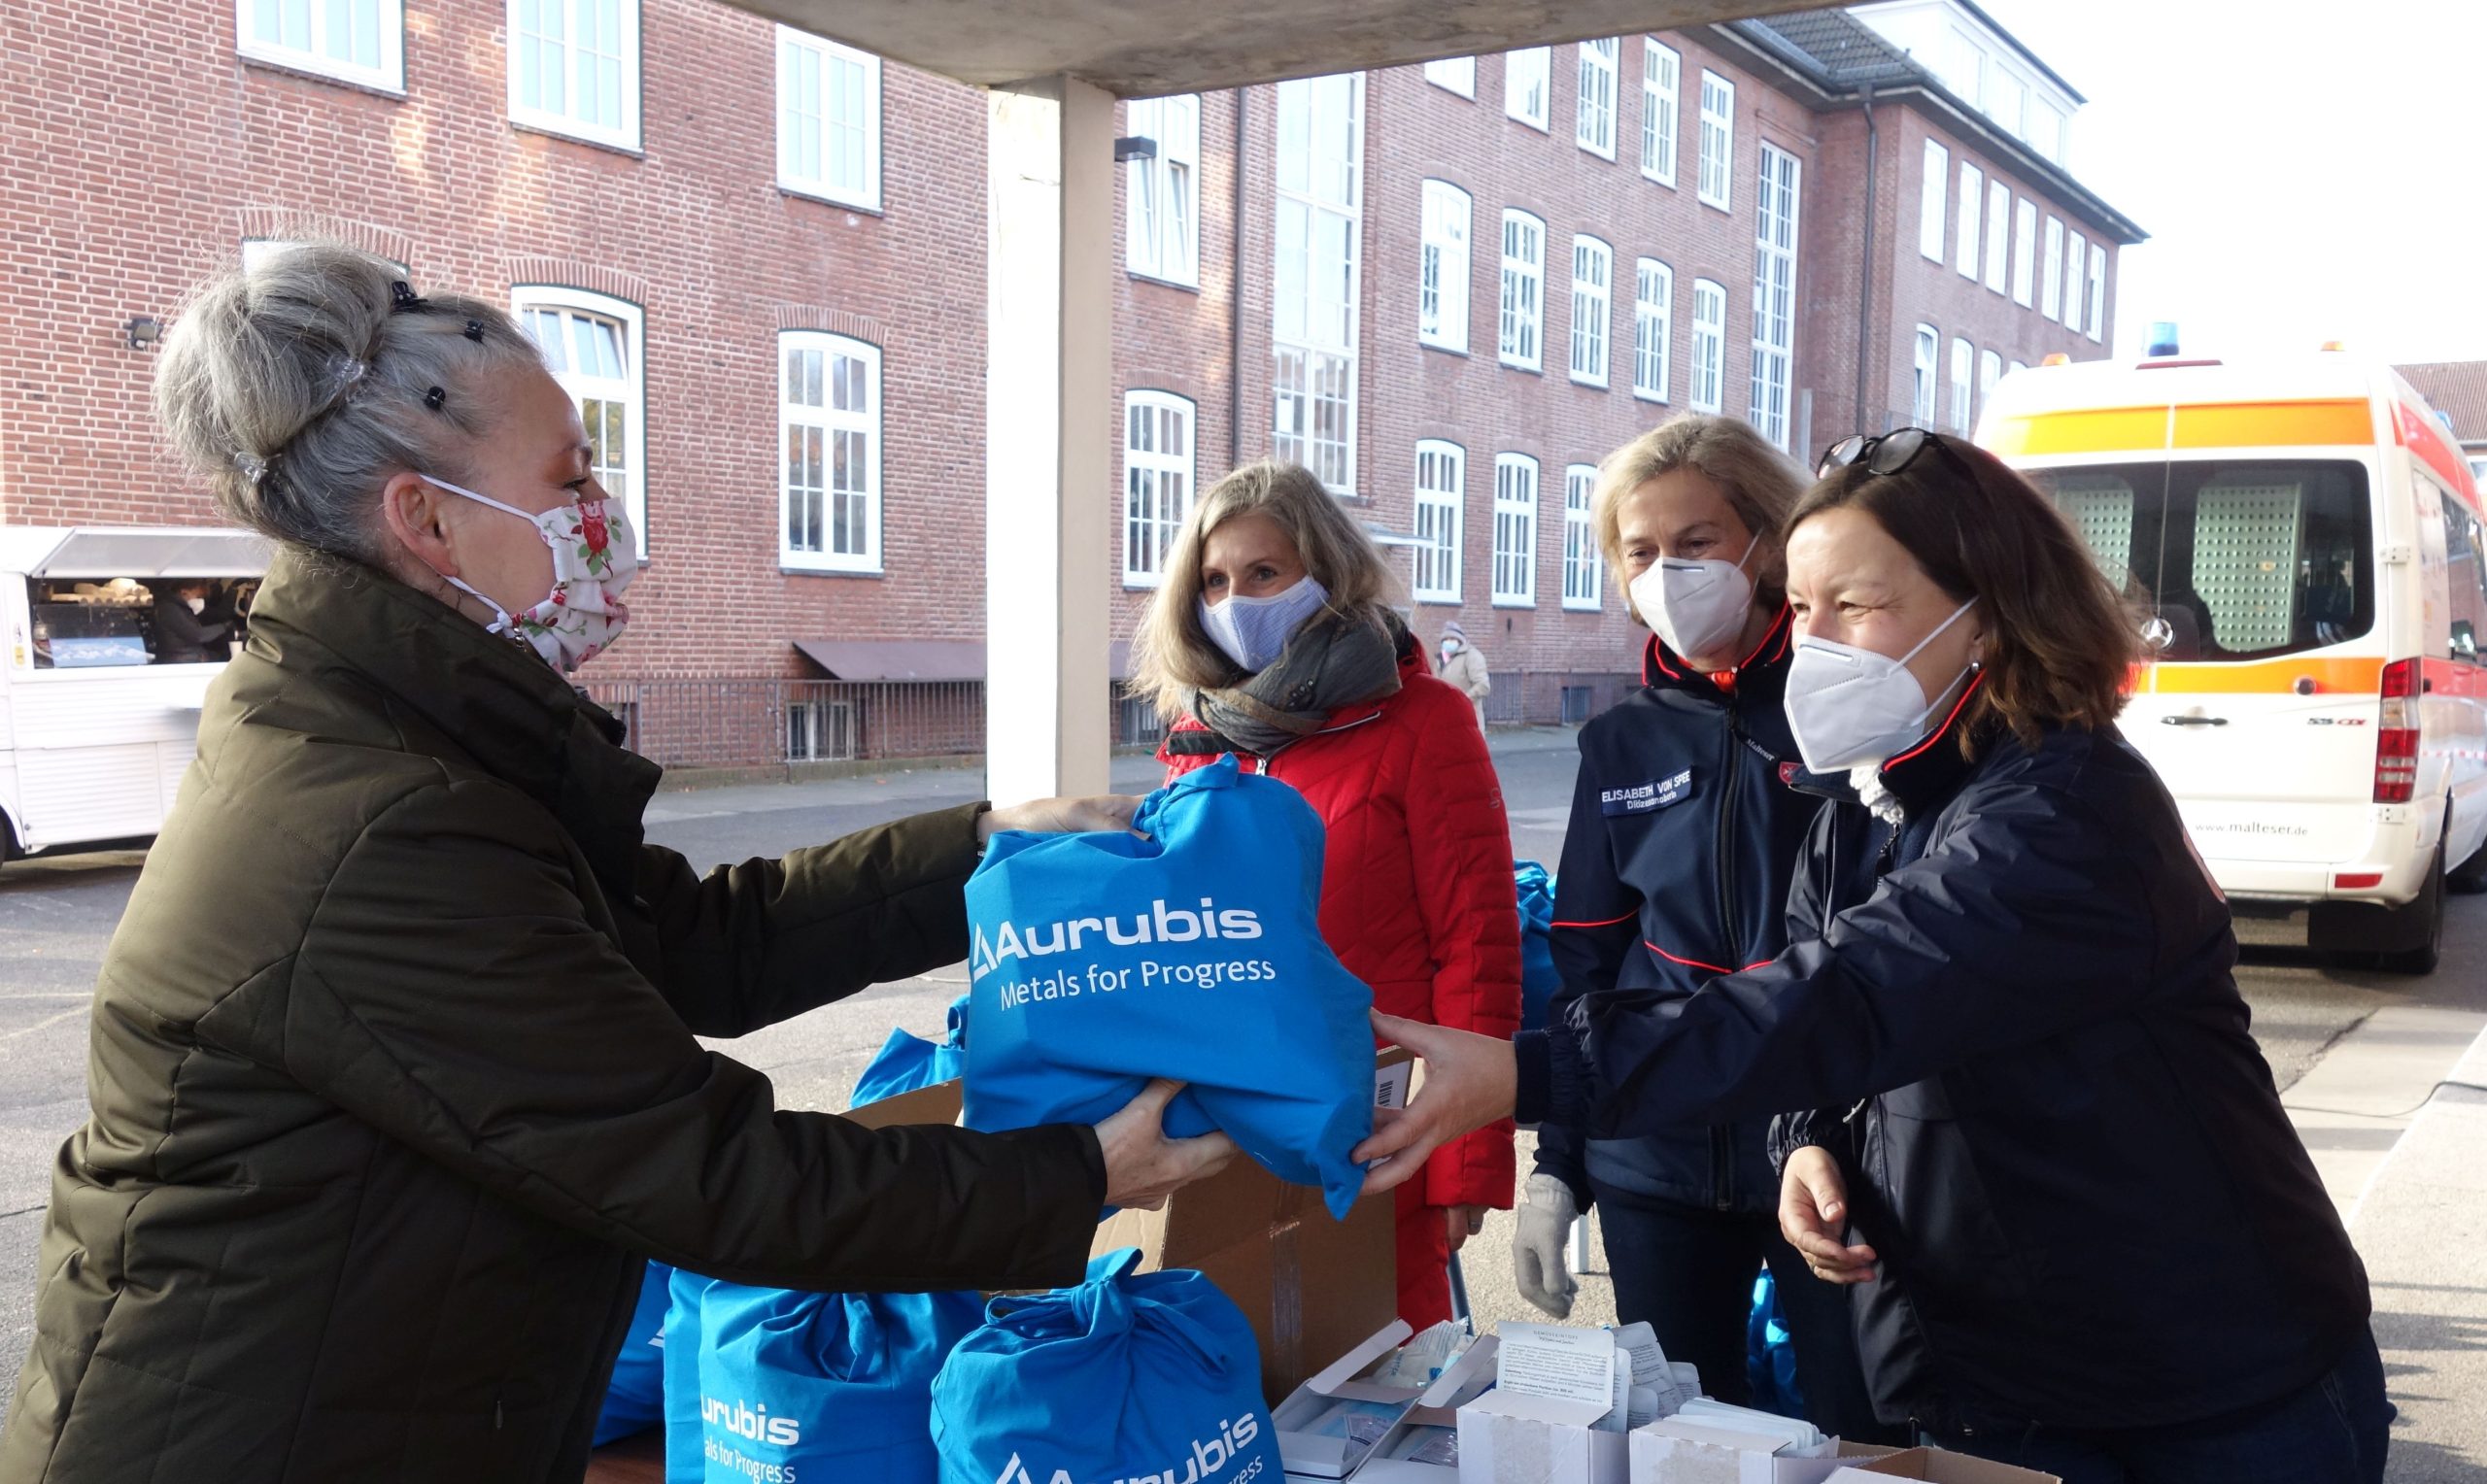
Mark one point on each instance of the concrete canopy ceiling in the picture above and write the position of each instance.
(1139, 48)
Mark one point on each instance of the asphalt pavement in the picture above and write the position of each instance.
(2409, 1178)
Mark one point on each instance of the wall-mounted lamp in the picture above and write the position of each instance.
(144, 330)
(1131, 147)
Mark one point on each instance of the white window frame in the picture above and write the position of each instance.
(2049, 142)
(832, 421)
(1964, 371)
(1661, 109)
(1999, 236)
(631, 391)
(1162, 194)
(1583, 568)
(1923, 375)
(2025, 252)
(1164, 466)
(388, 74)
(1653, 329)
(1592, 309)
(1779, 190)
(1440, 518)
(1718, 163)
(1990, 372)
(1520, 341)
(2076, 273)
(1708, 392)
(2008, 100)
(2098, 312)
(1321, 348)
(1445, 265)
(2051, 272)
(1528, 87)
(832, 62)
(1965, 66)
(2018, 365)
(1972, 200)
(623, 135)
(1595, 104)
(1453, 74)
(1515, 532)
(1934, 206)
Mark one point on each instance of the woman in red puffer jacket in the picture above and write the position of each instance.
(1272, 639)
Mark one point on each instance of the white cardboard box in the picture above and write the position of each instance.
(1514, 1437)
(1437, 1408)
(1680, 1451)
(1934, 1466)
(1309, 1456)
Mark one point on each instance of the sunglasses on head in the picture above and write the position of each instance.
(1889, 453)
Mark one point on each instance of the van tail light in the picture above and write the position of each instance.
(2395, 740)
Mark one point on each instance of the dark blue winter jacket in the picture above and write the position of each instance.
(1685, 833)
(2018, 1014)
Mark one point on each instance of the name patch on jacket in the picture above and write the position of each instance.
(1641, 797)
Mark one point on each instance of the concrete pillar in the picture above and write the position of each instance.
(1048, 501)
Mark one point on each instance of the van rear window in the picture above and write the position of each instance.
(92, 623)
(2238, 558)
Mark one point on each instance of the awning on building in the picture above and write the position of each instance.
(896, 659)
(137, 552)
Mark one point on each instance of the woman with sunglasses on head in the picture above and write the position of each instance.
(1684, 834)
(2049, 1159)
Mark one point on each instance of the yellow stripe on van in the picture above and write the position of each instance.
(2331, 676)
(2214, 425)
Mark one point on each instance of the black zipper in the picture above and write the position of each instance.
(1723, 1151)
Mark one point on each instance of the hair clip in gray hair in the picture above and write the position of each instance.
(254, 469)
(348, 372)
(475, 331)
(403, 300)
(434, 397)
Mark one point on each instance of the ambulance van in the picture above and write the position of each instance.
(98, 721)
(2301, 545)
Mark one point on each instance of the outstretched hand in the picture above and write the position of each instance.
(1060, 815)
(1470, 1081)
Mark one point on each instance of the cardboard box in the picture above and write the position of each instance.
(1437, 1410)
(1312, 1455)
(1514, 1437)
(1675, 1451)
(1314, 1288)
(1935, 1466)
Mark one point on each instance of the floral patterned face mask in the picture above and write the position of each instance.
(594, 557)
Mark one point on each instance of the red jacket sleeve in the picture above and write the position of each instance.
(1461, 842)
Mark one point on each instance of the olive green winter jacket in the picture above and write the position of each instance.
(395, 1084)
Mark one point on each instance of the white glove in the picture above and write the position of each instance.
(1537, 1252)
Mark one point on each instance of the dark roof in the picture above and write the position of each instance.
(2457, 388)
(1842, 57)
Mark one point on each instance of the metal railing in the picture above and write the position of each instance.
(764, 722)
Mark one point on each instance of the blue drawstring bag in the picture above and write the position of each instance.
(634, 1399)
(1123, 1377)
(906, 1062)
(1537, 979)
(683, 1464)
(1099, 960)
(801, 1386)
(1770, 1354)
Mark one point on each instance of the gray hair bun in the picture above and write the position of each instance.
(296, 388)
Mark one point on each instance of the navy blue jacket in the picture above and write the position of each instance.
(2058, 1132)
(1685, 833)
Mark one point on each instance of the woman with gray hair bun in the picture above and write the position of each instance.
(386, 1116)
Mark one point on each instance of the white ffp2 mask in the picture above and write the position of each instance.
(1849, 705)
(1695, 605)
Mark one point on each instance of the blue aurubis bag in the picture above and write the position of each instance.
(683, 1464)
(907, 1061)
(634, 1399)
(796, 1387)
(1125, 1378)
(1537, 979)
(1099, 960)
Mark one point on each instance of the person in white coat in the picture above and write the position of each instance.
(1464, 667)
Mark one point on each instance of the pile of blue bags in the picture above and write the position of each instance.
(1191, 949)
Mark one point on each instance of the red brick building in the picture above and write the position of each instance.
(757, 259)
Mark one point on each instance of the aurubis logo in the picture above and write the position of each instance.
(1207, 1459)
(746, 1421)
(1160, 924)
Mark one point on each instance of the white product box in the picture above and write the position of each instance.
(1514, 1437)
(1435, 1414)
(1314, 1452)
(1680, 1451)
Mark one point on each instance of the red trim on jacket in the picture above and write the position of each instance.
(1707, 968)
(1609, 923)
(1943, 730)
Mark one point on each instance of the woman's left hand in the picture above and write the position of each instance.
(1060, 815)
(1470, 1081)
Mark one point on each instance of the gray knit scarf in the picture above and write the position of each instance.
(1333, 661)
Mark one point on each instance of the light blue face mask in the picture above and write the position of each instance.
(1253, 631)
